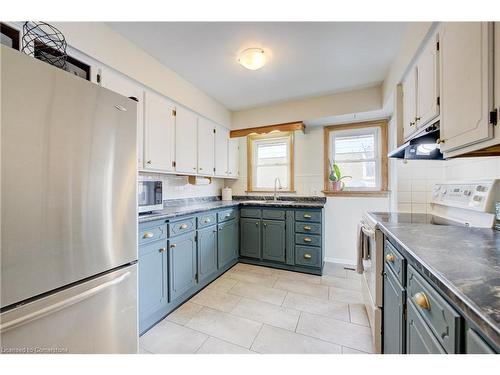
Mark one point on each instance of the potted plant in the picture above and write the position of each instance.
(335, 178)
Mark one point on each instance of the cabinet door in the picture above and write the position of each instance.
(221, 151)
(233, 157)
(186, 124)
(250, 238)
(123, 85)
(427, 84)
(420, 339)
(159, 132)
(393, 319)
(466, 83)
(153, 281)
(409, 103)
(207, 252)
(225, 243)
(182, 264)
(206, 147)
(273, 240)
(235, 239)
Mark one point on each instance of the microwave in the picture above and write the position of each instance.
(150, 196)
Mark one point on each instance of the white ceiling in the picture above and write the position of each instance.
(305, 59)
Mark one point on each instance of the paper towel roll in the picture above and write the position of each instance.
(227, 194)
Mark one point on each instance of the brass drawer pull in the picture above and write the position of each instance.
(228, 214)
(173, 245)
(390, 258)
(307, 239)
(183, 226)
(207, 220)
(307, 216)
(306, 227)
(421, 300)
(307, 256)
(161, 250)
(148, 235)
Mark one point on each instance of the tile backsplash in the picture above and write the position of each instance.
(415, 178)
(175, 187)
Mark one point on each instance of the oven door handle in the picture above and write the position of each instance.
(368, 232)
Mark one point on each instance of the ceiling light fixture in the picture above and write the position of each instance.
(252, 58)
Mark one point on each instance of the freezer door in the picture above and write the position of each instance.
(96, 316)
(68, 178)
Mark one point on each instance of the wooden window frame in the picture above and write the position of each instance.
(382, 124)
(250, 152)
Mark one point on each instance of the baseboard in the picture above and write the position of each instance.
(345, 262)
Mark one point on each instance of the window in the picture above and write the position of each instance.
(270, 156)
(360, 152)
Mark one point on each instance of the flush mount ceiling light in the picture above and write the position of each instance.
(252, 58)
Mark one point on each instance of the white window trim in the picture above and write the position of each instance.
(252, 160)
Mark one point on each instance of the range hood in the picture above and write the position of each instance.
(423, 146)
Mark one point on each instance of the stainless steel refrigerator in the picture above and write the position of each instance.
(68, 213)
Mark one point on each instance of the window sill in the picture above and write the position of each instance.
(380, 193)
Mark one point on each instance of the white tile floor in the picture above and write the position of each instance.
(252, 309)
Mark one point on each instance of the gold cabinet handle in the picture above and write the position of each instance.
(440, 141)
(148, 162)
(307, 256)
(207, 220)
(418, 118)
(227, 215)
(421, 300)
(265, 225)
(307, 239)
(161, 250)
(183, 226)
(306, 227)
(173, 245)
(148, 235)
(307, 216)
(200, 168)
(257, 224)
(390, 258)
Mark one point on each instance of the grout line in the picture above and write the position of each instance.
(258, 333)
(298, 320)
(199, 347)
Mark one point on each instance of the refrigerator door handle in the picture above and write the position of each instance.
(61, 304)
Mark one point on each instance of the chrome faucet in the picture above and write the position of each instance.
(277, 179)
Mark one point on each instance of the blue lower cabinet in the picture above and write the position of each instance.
(182, 264)
(420, 339)
(207, 252)
(250, 243)
(393, 315)
(153, 283)
(273, 240)
(226, 242)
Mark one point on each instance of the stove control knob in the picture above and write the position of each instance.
(477, 198)
(481, 188)
(467, 193)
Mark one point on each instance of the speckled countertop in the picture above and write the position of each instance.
(464, 263)
(194, 206)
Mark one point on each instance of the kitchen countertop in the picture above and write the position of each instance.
(464, 263)
(192, 207)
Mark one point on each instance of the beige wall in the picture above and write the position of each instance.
(362, 100)
(102, 43)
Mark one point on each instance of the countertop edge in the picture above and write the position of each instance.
(467, 307)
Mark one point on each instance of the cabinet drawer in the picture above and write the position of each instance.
(395, 261)
(273, 214)
(438, 314)
(226, 215)
(250, 212)
(152, 233)
(308, 256)
(308, 215)
(307, 239)
(308, 228)
(207, 219)
(181, 226)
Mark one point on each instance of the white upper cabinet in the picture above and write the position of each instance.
(119, 83)
(221, 151)
(186, 155)
(410, 104)
(428, 84)
(233, 158)
(206, 147)
(466, 84)
(159, 134)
